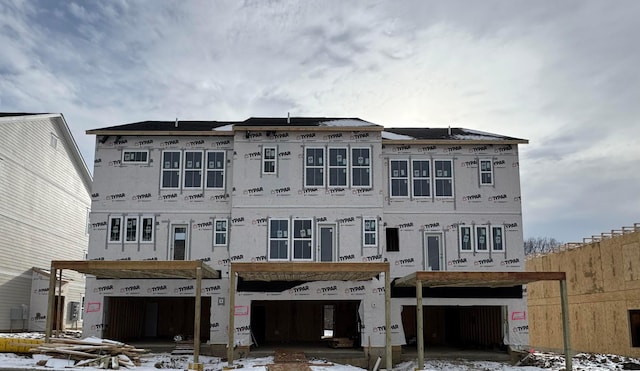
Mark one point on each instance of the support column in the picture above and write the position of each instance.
(420, 330)
(232, 305)
(387, 319)
(564, 303)
(59, 315)
(50, 304)
(196, 327)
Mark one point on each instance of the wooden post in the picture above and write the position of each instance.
(419, 318)
(387, 319)
(196, 327)
(59, 315)
(232, 304)
(564, 303)
(52, 294)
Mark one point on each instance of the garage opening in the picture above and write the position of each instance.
(138, 318)
(305, 322)
(474, 327)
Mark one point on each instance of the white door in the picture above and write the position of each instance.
(327, 242)
(433, 252)
(179, 248)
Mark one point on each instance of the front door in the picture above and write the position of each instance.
(179, 242)
(327, 242)
(433, 249)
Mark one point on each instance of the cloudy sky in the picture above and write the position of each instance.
(563, 74)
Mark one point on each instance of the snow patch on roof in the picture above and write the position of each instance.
(228, 127)
(346, 122)
(394, 136)
(475, 137)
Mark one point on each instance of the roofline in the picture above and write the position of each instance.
(454, 141)
(160, 133)
(309, 128)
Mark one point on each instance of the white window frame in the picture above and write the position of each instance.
(309, 235)
(110, 227)
(355, 165)
(436, 178)
(477, 236)
(126, 229)
(141, 227)
(266, 160)
(461, 240)
(421, 177)
(502, 236)
(282, 238)
(224, 232)
(344, 167)
(185, 169)
(481, 171)
(134, 151)
(171, 169)
(314, 166)
(214, 169)
(393, 177)
(369, 227)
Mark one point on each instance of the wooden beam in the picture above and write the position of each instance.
(196, 325)
(492, 279)
(59, 317)
(138, 268)
(420, 330)
(232, 303)
(387, 319)
(308, 267)
(566, 335)
(50, 304)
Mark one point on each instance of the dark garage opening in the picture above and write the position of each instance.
(473, 327)
(304, 322)
(137, 318)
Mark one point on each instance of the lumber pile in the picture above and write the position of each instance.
(94, 352)
(341, 343)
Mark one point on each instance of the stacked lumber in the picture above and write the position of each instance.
(341, 343)
(93, 352)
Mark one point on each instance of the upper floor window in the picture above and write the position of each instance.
(148, 227)
(466, 241)
(314, 167)
(269, 160)
(135, 157)
(302, 239)
(361, 167)
(115, 229)
(421, 178)
(486, 172)
(278, 239)
(170, 169)
(482, 238)
(369, 232)
(497, 238)
(215, 169)
(193, 169)
(338, 163)
(443, 178)
(399, 170)
(221, 232)
(132, 229)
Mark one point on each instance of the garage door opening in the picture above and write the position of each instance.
(305, 322)
(475, 327)
(138, 318)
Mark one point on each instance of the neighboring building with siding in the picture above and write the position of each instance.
(44, 205)
(306, 190)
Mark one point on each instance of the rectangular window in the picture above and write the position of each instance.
(170, 169)
(302, 239)
(370, 232)
(221, 230)
(314, 167)
(148, 226)
(361, 167)
(497, 238)
(399, 176)
(393, 239)
(466, 242)
(278, 239)
(443, 172)
(486, 172)
(338, 163)
(115, 229)
(135, 157)
(215, 169)
(269, 160)
(634, 327)
(193, 169)
(132, 229)
(482, 238)
(421, 178)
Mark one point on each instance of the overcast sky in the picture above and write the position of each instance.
(563, 74)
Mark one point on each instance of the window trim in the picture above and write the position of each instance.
(163, 170)
(125, 151)
(502, 235)
(471, 238)
(436, 177)
(110, 227)
(226, 231)
(294, 239)
(223, 170)
(487, 241)
(185, 169)
(373, 232)
(427, 178)
(354, 165)
(345, 167)
(307, 166)
(141, 228)
(406, 178)
(265, 160)
(287, 238)
(481, 172)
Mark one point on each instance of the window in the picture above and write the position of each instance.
(393, 239)
(170, 169)
(278, 239)
(314, 167)
(361, 167)
(148, 227)
(337, 167)
(135, 157)
(486, 172)
(269, 160)
(53, 141)
(302, 239)
(482, 238)
(132, 229)
(370, 232)
(115, 229)
(215, 169)
(466, 242)
(399, 175)
(421, 178)
(221, 229)
(497, 238)
(443, 178)
(634, 326)
(192, 169)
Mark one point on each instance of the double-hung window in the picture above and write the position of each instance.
(360, 167)
(497, 238)
(314, 167)
(221, 232)
(192, 169)
(338, 163)
(148, 226)
(269, 160)
(421, 178)
(215, 169)
(399, 171)
(369, 232)
(443, 172)
(115, 229)
(278, 239)
(466, 239)
(170, 169)
(302, 239)
(135, 157)
(486, 172)
(482, 238)
(131, 234)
